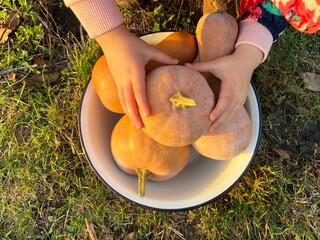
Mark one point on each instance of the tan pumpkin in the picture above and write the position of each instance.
(137, 154)
(228, 140)
(180, 45)
(216, 35)
(180, 101)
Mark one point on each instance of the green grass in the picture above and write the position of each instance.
(48, 190)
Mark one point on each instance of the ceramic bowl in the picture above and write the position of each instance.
(202, 181)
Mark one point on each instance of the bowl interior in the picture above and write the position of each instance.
(202, 181)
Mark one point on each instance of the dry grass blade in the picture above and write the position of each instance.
(59, 65)
(177, 233)
(90, 230)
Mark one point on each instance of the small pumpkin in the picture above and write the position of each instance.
(137, 154)
(180, 45)
(228, 140)
(180, 101)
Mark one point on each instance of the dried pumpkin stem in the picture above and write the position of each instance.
(180, 101)
(143, 174)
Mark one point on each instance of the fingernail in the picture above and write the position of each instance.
(211, 129)
(145, 114)
(213, 118)
(137, 125)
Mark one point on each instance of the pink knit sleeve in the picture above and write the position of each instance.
(96, 16)
(254, 33)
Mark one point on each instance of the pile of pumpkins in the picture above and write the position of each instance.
(180, 100)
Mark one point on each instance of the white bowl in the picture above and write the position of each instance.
(202, 181)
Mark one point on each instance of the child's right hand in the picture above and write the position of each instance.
(127, 56)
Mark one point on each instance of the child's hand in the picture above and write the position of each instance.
(235, 73)
(127, 56)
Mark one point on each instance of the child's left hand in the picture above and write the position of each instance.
(235, 73)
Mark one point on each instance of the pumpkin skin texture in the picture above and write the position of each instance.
(137, 154)
(228, 140)
(172, 121)
(180, 45)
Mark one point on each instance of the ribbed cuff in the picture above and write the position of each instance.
(254, 33)
(96, 16)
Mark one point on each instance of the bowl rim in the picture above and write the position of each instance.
(171, 209)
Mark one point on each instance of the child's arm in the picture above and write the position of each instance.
(257, 32)
(96, 16)
(126, 54)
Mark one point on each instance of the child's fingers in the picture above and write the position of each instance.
(121, 98)
(224, 109)
(139, 88)
(163, 58)
(218, 115)
(132, 108)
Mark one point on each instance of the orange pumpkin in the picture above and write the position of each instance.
(105, 86)
(180, 101)
(180, 45)
(137, 154)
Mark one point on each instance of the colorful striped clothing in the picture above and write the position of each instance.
(303, 15)
(276, 15)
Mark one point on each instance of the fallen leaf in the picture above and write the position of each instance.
(8, 26)
(48, 77)
(12, 76)
(40, 61)
(13, 21)
(124, 3)
(4, 32)
(130, 236)
(311, 81)
(282, 153)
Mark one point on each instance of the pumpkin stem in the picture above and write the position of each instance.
(143, 174)
(180, 101)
